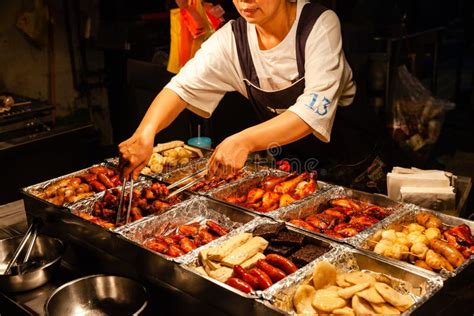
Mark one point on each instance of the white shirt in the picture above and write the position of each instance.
(215, 70)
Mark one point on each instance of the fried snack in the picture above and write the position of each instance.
(201, 271)
(454, 257)
(245, 251)
(433, 233)
(385, 309)
(349, 292)
(221, 274)
(371, 295)
(428, 220)
(361, 306)
(327, 300)
(357, 277)
(302, 299)
(437, 262)
(423, 264)
(413, 227)
(344, 311)
(341, 280)
(324, 274)
(166, 146)
(219, 252)
(400, 301)
(250, 263)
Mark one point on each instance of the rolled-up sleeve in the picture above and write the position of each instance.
(327, 77)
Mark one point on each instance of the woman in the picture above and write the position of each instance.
(286, 57)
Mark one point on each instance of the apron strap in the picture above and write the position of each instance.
(239, 27)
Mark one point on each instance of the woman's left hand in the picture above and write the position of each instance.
(230, 156)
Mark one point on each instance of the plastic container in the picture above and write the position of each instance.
(203, 142)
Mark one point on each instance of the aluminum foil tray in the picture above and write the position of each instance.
(86, 206)
(197, 209)
(34, 189)
(317, 202)
(114, 161)
(408, 216)
(241, 187)
(418, 285)
(210, 288)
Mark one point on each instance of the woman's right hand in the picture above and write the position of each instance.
(135, 152)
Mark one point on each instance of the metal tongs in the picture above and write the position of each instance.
(188, 185)
(30, 239)
(120, 206)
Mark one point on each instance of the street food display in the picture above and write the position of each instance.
(150, 199)
(331, 291)
(425, 242)
(274, 192)
(256, 260)
(170, 155)
(82, 185)
(186, 238)
(231, 251)
(343, 217)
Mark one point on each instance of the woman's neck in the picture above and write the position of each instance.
(273, 31)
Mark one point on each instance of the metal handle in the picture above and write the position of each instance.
(119, 210)
(181, 189)
(177, 183)
(18, 250)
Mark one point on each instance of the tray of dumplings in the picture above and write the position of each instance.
(349, 282)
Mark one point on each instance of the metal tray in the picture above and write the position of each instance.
(30, 190)
(195, 209)
(242, 186)
(178, 174)
(419, 285)
(231, 300)
(86, 205)
(408, 215)
(207, 153)
(313, 205)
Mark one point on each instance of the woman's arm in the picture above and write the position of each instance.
(232, 153)
(136, 151)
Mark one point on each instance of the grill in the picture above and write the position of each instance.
(23, 120)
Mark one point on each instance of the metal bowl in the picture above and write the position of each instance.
(98, 295)
(44, 260)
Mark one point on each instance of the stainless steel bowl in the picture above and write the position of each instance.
(44, 260)
(98, 295)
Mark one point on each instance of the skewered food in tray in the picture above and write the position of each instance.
(352, 293)
(343, 217)
(249, 262)
(179, 240)
(73, 189)
(151, 199)
(277, 191)
(428, 243)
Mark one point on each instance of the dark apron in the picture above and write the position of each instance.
(350, 138)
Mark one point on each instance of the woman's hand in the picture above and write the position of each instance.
(135, 153)
(230, 156)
